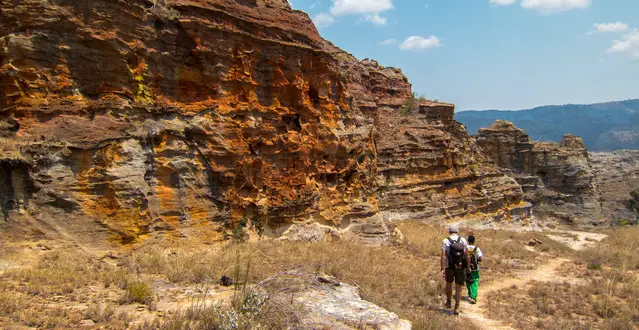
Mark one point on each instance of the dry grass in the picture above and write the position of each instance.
(403, 279)
(505, 252)
(108, 314)
(57, 273)
(19, 308)
(608, 299)
(138, 292)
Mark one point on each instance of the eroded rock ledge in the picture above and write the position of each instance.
(123, 120)
(557, 177)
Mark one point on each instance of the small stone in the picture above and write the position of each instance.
(86, 323)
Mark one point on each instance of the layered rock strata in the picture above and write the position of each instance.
(557, 178)
(429, 169)
(617, 175)
(124, 119)
(133, 117)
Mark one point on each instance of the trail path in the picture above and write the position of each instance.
(544, 273)
(578, 240)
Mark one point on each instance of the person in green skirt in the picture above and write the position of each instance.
(472, 280)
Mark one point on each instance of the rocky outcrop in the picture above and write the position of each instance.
(326, 303)
(617, 175)
(428, 167)
(123, 120)
(557, 178)
(133, 118)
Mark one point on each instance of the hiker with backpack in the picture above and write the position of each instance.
(454, 264)
(475, 256)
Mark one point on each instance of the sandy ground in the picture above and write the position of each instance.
(546, 272)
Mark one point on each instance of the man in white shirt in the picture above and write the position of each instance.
(454, 263)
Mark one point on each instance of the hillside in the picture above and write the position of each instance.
(603, 126)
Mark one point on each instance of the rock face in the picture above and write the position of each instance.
(124, 119)
(617, 175)
(329, 304)
(138, 118)
(557, 178)
(428, 167)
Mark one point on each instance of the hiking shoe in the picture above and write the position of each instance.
(456, 310)
(448, 304)
(473, 301)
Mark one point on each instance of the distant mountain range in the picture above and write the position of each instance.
(604, 126)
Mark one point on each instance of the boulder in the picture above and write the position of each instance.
(326, 303)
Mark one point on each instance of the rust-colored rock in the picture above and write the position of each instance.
(124, 119)
(557, 178)
(428, 167)
(137, 119)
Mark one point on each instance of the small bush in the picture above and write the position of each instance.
(138, 292)
(412, 103)
(12, 303)
(100, 313)
(595, 265)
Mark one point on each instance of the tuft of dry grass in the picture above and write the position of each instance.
(57, 273)
(138, 292)
(18, 307)
(618, 250)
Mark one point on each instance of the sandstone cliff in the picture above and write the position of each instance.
(429, 169)
(617, 175)
(123, 119)
(557, 178)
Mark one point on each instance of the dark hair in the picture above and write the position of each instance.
(471, 239)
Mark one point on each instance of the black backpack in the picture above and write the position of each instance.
(456, 255)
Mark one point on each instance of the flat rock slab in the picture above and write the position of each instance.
(329, 304)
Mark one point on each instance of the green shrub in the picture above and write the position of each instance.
(138, 292)
(595, 265)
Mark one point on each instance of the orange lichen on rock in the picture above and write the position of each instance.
(133, 121)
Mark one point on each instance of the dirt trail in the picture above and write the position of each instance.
(543, 273)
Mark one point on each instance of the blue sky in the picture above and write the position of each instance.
(494, 54)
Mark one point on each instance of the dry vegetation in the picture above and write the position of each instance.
(65, 288)
(602, 291)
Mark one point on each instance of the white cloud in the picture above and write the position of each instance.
(416, 43)
(375, 19)
(610, 27)
(387, 42)
(323, 20)
(628, 44)
(362, 7)
(502, 2)
(554, 6)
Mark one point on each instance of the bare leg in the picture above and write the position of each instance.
(449, 292)
(458, 291)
